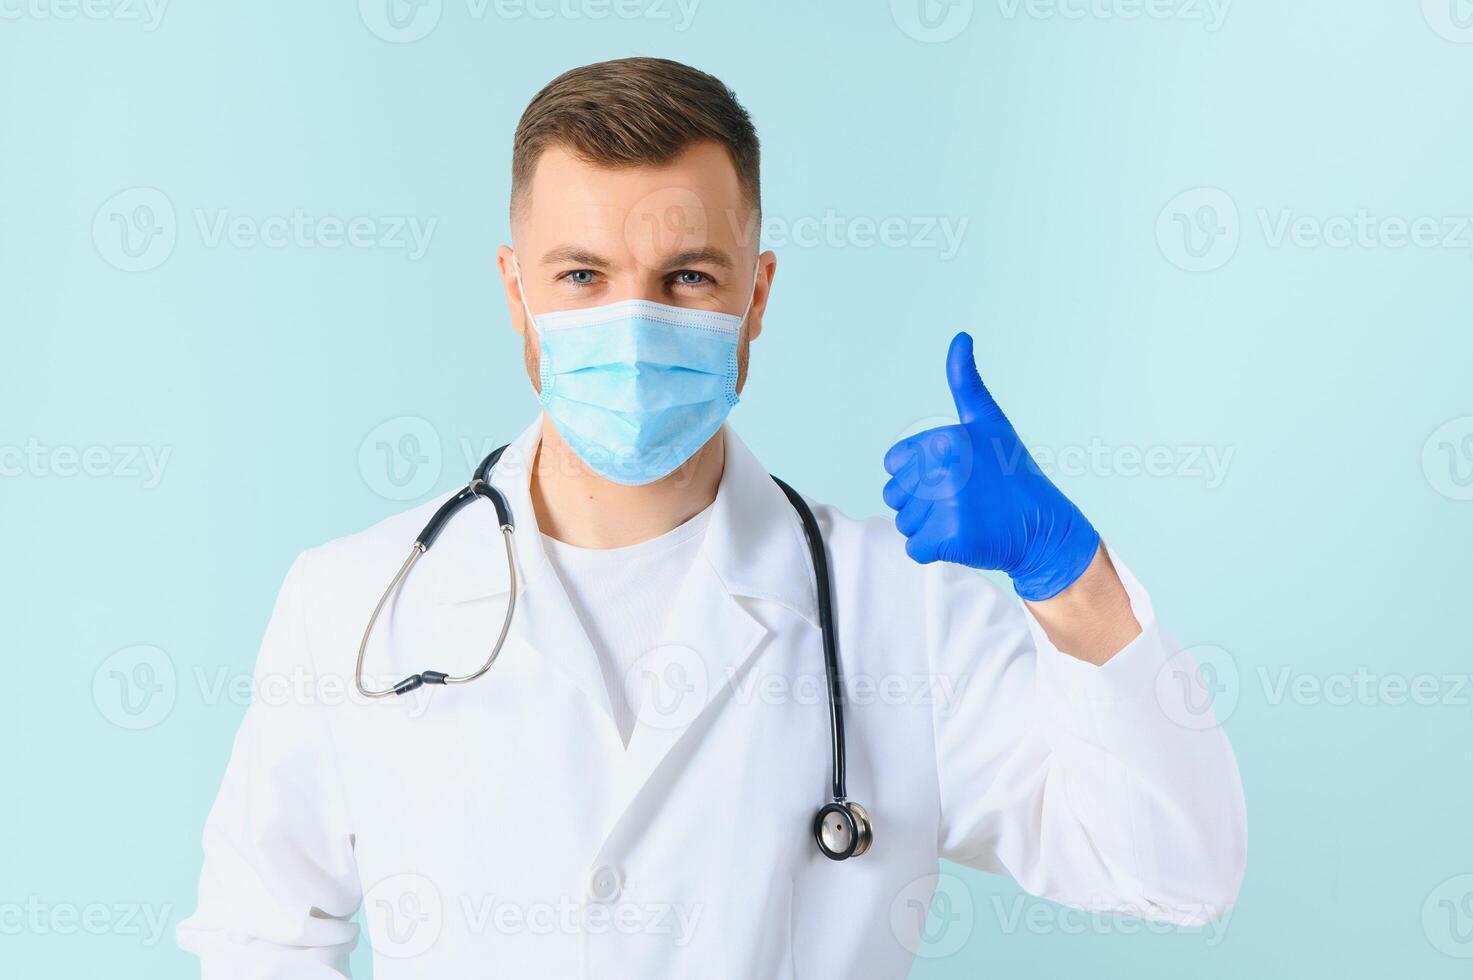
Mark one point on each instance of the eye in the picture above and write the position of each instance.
(580, 277)
(690, 277)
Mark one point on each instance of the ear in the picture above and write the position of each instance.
(766, 269)
(514, 306)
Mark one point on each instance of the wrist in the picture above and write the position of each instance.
(1091, 620)
(1067, 548)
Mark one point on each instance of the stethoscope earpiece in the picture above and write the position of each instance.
(842, 830)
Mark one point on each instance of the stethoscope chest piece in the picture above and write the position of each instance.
(842, 830)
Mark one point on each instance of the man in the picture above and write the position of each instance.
(630, 791)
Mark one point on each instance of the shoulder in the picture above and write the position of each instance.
(871, 539)
(369, 556)
(394, 533)
(874, 550)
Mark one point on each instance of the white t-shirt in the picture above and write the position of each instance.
(622, 597)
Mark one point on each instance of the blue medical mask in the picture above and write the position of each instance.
(635, 387)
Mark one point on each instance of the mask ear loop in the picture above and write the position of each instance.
(516, 268)
(542, 386)
(751, 295)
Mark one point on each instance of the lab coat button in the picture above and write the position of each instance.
(603, 884)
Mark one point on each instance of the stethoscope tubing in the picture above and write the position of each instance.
(480, 486)
(814, 537)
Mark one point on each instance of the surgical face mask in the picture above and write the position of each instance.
(635, 387)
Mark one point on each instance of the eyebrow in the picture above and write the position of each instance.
(576, 255)
(709, 255)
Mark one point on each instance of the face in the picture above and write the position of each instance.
(680, 234)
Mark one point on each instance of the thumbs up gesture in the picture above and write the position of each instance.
(971, 494)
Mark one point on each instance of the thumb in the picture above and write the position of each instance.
(973, 401)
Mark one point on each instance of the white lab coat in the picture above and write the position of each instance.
(501, 829)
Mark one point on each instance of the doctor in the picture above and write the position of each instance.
(630, 790)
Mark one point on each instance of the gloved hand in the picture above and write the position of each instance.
(972, 494)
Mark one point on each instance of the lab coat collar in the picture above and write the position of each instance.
(755, 541)
(753, 548)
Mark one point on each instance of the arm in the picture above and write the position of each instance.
(1067, 766)
(1082, 782)
(279, 881)
(972, 494)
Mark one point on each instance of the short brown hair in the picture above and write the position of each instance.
(631, 112)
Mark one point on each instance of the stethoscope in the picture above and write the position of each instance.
(841, 827)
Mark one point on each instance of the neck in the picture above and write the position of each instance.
(578, 507)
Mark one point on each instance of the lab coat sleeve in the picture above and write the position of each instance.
(1110, 788)
(279, 882)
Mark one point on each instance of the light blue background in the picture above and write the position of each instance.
(1336, 540)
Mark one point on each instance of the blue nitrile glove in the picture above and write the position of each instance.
(972, 494)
